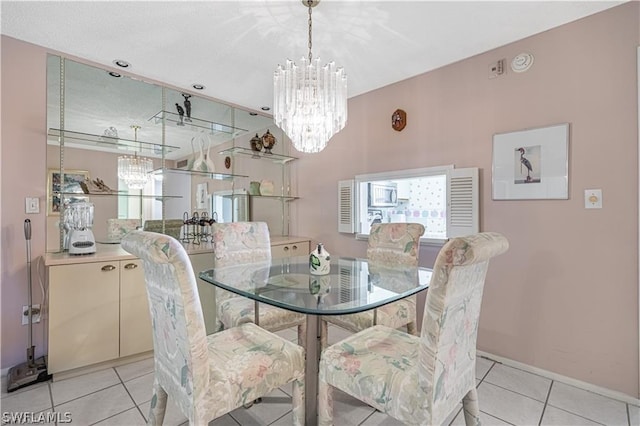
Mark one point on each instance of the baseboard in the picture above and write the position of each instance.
(94, 367)
(564, 379)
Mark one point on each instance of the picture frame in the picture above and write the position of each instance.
(72, 180)
(531, 164)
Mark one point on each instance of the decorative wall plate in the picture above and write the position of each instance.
(398, 120)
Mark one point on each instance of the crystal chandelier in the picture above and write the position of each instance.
(134, 170)
(310, 101)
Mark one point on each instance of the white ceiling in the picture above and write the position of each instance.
(233, 47)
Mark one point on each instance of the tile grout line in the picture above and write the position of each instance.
(280, 417)
(125, 388)
(129, 393)
(546, 402)
(487, 373)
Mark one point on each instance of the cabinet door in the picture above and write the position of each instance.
(200, 262)
(83, 314)
(135, 320)
(299, 248)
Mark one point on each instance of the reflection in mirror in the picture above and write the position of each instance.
(89, 127)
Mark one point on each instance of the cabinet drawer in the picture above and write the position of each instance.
(300, 248)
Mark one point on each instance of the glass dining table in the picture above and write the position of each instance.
(353, 285)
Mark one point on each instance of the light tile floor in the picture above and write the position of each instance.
(508, 396)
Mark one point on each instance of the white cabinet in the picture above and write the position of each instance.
(84, 308)
(404, 189)
(296, 248)
(97, 312)
(135, 320)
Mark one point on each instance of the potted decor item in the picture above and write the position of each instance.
(268, 142)
(319, 261)
(256, 143)
(254, 188)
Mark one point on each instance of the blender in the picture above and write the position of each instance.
(78, 221)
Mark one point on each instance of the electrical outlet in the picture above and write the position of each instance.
(35, 316)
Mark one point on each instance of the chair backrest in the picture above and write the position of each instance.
(450, 323)
(240, 242)
(179, 337)
(395, 243)
(237, 243)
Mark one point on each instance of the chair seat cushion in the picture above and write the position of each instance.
(379, 367)
(240, 310)
(394, 315)
(247, 362)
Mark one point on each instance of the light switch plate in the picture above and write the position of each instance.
(32, 205)
(592, 198)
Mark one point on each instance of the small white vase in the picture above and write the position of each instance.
(319, 261)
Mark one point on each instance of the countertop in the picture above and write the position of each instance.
(113, 252)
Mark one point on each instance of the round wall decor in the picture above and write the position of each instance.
(398, 120)
(522, 62)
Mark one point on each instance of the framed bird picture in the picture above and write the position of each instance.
(531, 164)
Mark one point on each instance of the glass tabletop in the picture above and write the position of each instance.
(353, 285)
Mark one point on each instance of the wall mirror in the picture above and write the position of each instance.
(90, 117)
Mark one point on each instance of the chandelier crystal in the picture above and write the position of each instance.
(134, 170)
(310, 101)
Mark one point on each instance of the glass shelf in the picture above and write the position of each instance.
(276, 197)
(276, 158)
(196, 123)
(120, 144)
(117, 194)
(218, 176)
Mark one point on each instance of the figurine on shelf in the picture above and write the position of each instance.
(187, 106)
(95, 186)
(181, 114)
(268, 142)
(110, 135)
(256, 144)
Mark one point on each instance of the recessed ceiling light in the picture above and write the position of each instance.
(121, 63)
(253, 113)
(114, 74)
(265, 108)
(198, 86)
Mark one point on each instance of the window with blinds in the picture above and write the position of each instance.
(443, 199)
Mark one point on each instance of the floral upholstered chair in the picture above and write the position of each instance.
(420, 380)
(390, 244)
(207, 376)
(246, 242)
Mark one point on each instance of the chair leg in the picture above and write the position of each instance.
(325, 404)
(471, 408)
(302, 335)
(412, 329)
(324, 334)
(298, 402)
(158, 405)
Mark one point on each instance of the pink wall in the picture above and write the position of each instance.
(23, 174)
(565, 296)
